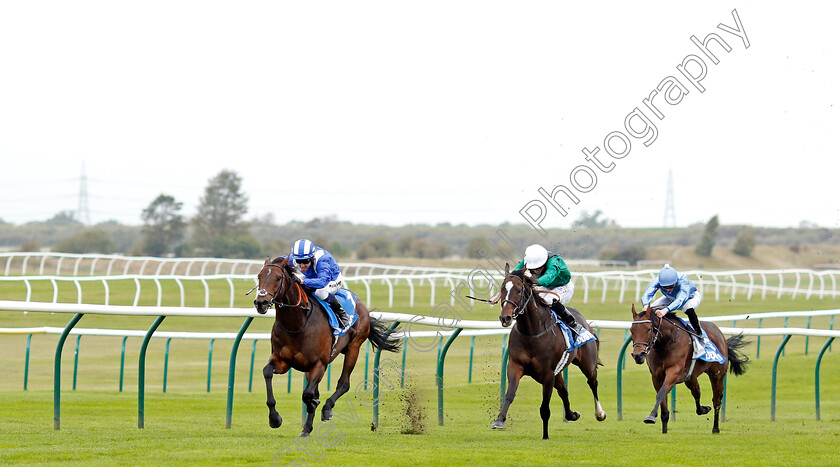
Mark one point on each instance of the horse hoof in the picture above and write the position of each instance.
(304, 434)
(275, 422)
(703, 410)
(650, 419)
(497, 425)
(573, 416)
(601, 416)
(326, 415)
(715, 430)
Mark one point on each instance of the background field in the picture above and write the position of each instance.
(185, 425)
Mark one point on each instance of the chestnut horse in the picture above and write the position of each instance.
(666, 345)
(303, 339)
(537, 347)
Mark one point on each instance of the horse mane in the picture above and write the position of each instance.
(289, 268)
(526, 278)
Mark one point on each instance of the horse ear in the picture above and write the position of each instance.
(633, 309)
(284, 262)
(267, 260)
(507, 268)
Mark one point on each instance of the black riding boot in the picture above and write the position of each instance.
(343, 318)
(565, 316)
(695, 323)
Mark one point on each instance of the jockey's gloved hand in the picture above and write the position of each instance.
(299, 277)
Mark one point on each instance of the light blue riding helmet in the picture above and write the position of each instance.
(303, 249)
(667, 276)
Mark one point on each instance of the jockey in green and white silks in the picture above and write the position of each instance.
(678, 293)
(555, 287)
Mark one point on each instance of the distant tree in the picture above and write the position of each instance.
(163, 226)
(236, 246)
(377, 247)
(476, 246)
(631, 254)
(219, 222)
(592, 221)
(745, 242)
(338, 250)
(30, 244)
(185, 250)
(63, 218)
(404, 245)
(707, 241)
(87, 241)
(276, 246)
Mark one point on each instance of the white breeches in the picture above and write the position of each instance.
(563, 293)
(693, 302)
(332, 287)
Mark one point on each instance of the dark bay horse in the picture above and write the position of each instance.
(537, 348)
(666, 345)
(302, 338)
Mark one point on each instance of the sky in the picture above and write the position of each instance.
(423, 112)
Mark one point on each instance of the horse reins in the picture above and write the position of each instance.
(302, 298)
(652, 338)
(519, 309)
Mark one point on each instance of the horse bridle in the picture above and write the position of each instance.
(274, 300)
(519, 308)
(651, 335)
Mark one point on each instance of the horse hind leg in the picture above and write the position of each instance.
(694, 386)
(310, 397)
(590, 370)
(343, 384)
(273, 366)
(717, 397)
(563, 392)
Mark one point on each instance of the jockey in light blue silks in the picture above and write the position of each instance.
(321, 273)
(678, 293)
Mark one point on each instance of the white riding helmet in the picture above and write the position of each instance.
(535, 256)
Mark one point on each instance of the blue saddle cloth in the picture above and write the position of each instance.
(348, 302)
(711, 352)
(582, 338)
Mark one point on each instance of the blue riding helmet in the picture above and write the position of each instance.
(667, 276)
(303, 249)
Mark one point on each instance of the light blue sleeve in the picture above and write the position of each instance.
(686, 290)
(650, 291)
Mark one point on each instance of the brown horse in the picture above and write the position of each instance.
(538, 349)
(666, 345)
(303, 339)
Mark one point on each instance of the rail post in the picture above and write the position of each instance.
(57, 375)
(232, 371)
(141, 379)
(440, 373)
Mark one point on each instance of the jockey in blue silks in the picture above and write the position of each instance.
(678, 293)
(321, 273)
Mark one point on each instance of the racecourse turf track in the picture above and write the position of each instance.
(185, 425)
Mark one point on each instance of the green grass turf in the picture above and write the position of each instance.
(185, 425)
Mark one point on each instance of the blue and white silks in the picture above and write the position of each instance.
(348, 301)
(709, 351)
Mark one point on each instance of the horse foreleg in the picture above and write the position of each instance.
(273, 366)
(563, 392)
(665, 387)
(310, 396)
(514, 374)
(343, 384)
(694, 386)
(545, 408)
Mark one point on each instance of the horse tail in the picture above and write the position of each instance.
(382, 337)
(737, 359)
